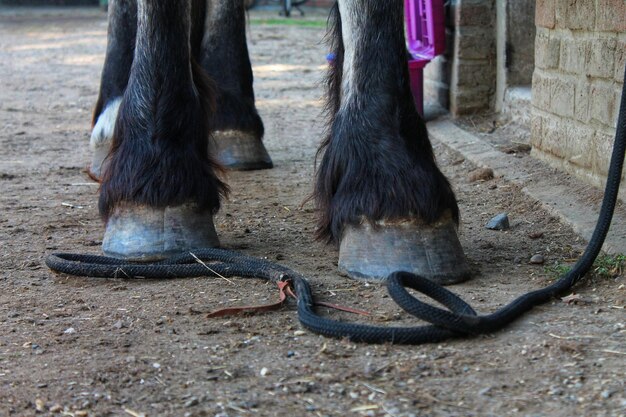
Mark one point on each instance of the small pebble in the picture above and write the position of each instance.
(606, 394)
(499, 222)
(264, 371)
(40, 406)
(70, 330)
(119, 324)
(291, 354)
(537, 259)
(192, 402)
(56, 408)
(535, 235)
(156, 365)
(481, 174)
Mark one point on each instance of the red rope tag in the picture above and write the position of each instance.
(285, 288)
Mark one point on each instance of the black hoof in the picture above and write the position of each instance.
(240, 151)
(141, 233)
(432, 251)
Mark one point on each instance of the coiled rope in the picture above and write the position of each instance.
(457, 321)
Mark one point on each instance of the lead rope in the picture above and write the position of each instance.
(458, 320)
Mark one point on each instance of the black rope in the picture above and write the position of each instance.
(459, 320)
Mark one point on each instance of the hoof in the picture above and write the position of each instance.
(140, 233)
(432, 251)
(240, 151)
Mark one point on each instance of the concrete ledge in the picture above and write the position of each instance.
(557, 192)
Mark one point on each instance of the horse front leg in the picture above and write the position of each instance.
(379, 191)
(159, 187)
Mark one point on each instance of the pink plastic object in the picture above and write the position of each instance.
(426, 38)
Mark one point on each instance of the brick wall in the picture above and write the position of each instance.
(473, 73)
(579, 68)
(520, 38)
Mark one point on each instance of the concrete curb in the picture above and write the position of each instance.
(557, 192)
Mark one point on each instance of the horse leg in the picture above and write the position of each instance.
(119, 58)
(238, 129)
(159, 187)
(378, 189)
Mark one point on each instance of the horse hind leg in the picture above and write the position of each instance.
(237, 127)
(121, 34)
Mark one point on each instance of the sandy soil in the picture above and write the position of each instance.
(118, 347)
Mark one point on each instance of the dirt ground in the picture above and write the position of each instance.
(77, 347)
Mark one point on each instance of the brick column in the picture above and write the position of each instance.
(473, 80)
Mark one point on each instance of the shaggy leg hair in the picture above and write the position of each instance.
(159, 152)
(377, 160)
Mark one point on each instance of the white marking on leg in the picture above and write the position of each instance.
(102, 136)
(216, 11)
(102, 132)
(349, 33)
